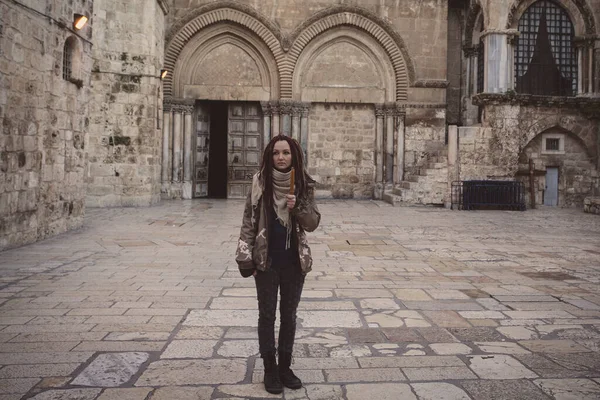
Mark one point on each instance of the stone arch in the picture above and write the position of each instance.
(360, 19)
(374, 78)
(474, 16)
(219, 12)
(257, 80)
(566, 124)
(578, 10)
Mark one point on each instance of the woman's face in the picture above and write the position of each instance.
(282, 155)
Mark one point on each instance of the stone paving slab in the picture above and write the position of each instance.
(412, 303)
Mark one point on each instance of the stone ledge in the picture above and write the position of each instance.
(590, 106)
(591, 205)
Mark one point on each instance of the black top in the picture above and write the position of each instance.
(277, 238)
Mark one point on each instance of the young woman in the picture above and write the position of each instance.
(273, 248)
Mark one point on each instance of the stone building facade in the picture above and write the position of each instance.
(44, 111)
(392, 100)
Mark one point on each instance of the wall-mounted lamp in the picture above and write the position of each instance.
(163, 73)
(79, 21)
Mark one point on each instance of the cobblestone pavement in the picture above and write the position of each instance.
(403, 303)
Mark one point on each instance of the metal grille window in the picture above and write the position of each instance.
(545, 56)
(480, 67)
(68, 60)
(553, 144)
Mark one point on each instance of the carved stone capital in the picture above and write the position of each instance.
(184, 106)
(432, 83)
(471, 51)
(379, 110)
(286, 107)
(266, 108)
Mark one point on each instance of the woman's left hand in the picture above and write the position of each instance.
(291, 201)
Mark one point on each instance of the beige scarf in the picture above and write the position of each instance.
(281, 187)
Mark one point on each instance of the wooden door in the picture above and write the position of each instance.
(244, 147)
(202, 147)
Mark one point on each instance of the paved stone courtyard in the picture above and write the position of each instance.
(403, 303)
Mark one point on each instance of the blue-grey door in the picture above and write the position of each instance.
(551, 193)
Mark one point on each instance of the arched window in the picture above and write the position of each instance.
(545, 56)
(70, 61)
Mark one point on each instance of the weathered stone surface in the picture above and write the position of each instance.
(498, 367)
(193, 372)
(383, 391)
(445, 349)
(183, 393)
(503, 390)
(570, 389)
(111, 370)
(438, 391)
(189, 349)
(68, 394)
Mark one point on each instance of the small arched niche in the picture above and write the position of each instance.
(344, 65)
(225, 62)
(72, 59)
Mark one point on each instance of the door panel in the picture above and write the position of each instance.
(202, 147)
(551, 192)
(244, 147)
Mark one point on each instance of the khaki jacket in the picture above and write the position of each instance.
(253, 244)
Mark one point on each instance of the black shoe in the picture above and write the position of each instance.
(272, 381)
(286, 375)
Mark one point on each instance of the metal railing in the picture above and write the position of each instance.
(488, 195)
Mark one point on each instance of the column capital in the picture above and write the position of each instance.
(471, 51)
(394, 109)
(500, 32)
(266, 108)
(379, 110)
(185, 106)
(304, 109)
(286, 106)
(585, 42)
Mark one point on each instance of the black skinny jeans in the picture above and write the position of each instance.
(284, 274)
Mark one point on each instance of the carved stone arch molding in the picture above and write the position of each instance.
(360, 19)
(220, 12)
(225, 62)
(476, 12)
(579, 11)
(318, 77)
(584, 134)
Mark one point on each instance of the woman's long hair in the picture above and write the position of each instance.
(266, 168)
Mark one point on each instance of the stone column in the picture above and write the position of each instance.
(453, 172)
(390, 111)
(379, 114)
(188, 156)
(304, 110)
(399, 113)
(166, 145)
(471, 61)
(498, 61)
(286, 117)
(267, 113)
(177, 143)
(296, 111)
(275, 128)
(596, 66)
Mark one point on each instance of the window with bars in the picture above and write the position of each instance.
(553, 144)
(68, 60)
(480, 66)
(545, 56)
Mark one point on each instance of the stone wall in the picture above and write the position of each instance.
(341, 150)
(576, 171)
(511, 134)
(422, 24)
(425, 131)
(125, 136)
(43, 118)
